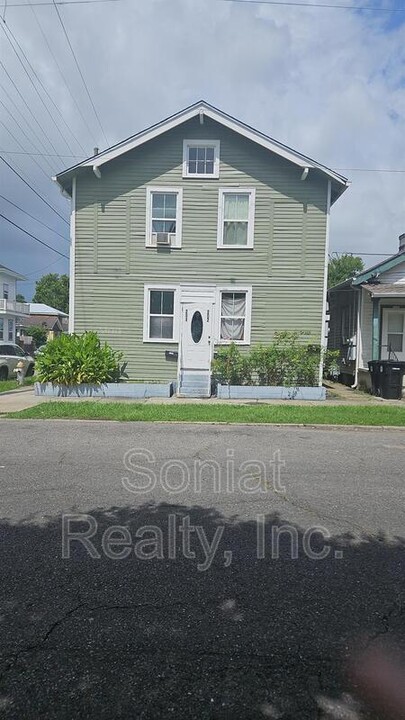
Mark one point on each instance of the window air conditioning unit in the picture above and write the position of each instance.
(163, 238)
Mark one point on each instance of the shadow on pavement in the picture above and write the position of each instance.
(159, 638)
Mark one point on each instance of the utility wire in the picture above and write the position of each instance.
(28, 108)
(23, 152)
(9, 32)
(34, 218)
(371, 8)
(33, 190)
(34, 237)
(72, 95)
(33, 159)
(80, 72)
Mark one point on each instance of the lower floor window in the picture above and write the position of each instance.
(395, 335)
(161, 314)
(1, 329)
(233, 316)
(11, 330)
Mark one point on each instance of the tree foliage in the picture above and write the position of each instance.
(53, 290)
(343, 267)
(20, 298)
(38, 334)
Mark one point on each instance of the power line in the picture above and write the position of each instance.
(80, 72)
(34, 218)
(28, 108)
(33, 190)
(23, 152)
(288, 3)
(7, 30)
(72, 95)
(20, 152)
(34, 237)
(34, 160)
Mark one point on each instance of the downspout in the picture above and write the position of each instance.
(356, 367)
(325, 284)
(71, 327)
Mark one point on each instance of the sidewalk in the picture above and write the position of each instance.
(16, 400)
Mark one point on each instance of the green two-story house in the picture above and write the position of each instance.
(196, 232)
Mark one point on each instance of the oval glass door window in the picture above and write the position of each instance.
(197, 326)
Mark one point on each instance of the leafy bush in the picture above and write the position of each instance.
(38, 334)
(74, 359)
(287, 361)
(232, 367)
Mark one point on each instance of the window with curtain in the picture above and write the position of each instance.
(395, 337)
(233, 316)
(11, 330)
(161, 314)
(236, 219)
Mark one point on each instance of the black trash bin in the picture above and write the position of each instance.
(375, 373)
(390, 378)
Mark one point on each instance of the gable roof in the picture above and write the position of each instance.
(379, 268)
(42, 309)
(202, 108)
(12, 273)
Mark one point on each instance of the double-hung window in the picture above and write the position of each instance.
(11, 330)
(236, 213)
(160, 314)
(395, 332)
(163, 216)
(5, 291)
(235, 306)
(201, 158)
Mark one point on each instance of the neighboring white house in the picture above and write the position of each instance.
(10, 310)
(367, 317)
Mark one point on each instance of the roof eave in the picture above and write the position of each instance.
(340, 183)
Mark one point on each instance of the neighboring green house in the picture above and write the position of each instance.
(197, 232)
(367, 317)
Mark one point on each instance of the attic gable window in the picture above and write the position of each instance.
(201, 158)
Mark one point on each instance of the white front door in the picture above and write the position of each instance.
(195, 349)
(393, 334)
(196, 324)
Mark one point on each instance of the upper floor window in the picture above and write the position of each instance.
(163, 216)
(5, 291)
(201, 158)
(236, 214)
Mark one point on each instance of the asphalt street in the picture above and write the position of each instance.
(200, 572)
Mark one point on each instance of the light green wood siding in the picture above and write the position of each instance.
(112, 264)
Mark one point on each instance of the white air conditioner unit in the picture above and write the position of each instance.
(163, 238)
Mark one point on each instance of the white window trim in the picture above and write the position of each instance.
(176, 316)
(248, 316)
(179, 213)
(251, 217)
(201, 143)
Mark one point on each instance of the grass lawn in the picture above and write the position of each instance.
(205, 412)
(6, 385)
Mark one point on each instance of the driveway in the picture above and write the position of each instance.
(155, 570)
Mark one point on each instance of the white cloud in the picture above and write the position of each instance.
(330, 83)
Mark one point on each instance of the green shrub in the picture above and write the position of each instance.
(74, 359)
(287, 362)
(38, 334)
(232, 367)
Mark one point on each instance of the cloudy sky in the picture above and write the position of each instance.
(328, 82)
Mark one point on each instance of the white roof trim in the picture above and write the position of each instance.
(213, 113)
